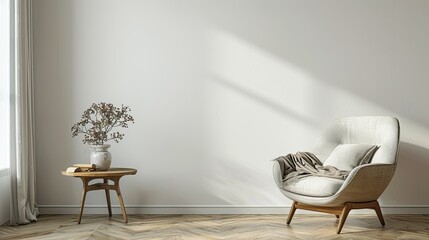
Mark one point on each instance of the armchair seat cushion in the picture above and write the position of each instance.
(314, 186)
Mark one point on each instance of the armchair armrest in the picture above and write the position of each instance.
(367, 182)
(277, 173)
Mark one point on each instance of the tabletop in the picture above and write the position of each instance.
(109, 173)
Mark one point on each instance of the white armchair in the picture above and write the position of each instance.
(364, 184)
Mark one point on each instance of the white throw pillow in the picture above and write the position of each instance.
(348, 156)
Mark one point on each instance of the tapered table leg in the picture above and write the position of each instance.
(109, 206)
(121, 201)
(82, 201)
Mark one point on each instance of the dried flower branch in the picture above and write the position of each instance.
(98, 120)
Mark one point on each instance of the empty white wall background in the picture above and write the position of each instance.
(219, 88)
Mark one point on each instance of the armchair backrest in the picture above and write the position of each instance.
(374, 130)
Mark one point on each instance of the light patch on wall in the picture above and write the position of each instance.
(249, 86)
(253, 70)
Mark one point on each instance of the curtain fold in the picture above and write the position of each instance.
(23, 179)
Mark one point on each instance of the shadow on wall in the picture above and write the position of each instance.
(235, 183)
(383, 52)
(311, 122)
(413, 164)
(53, 101)
(249, 83)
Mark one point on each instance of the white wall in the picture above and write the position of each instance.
(219, 88)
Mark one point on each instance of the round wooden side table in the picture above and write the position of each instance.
(113, 174)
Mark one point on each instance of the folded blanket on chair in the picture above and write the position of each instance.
(303, 164)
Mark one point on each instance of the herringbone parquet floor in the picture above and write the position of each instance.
(219, 227)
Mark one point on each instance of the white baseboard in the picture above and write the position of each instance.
(214, 209)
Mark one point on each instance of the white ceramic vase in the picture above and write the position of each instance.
(100, 156)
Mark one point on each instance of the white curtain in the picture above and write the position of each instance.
(23, 204)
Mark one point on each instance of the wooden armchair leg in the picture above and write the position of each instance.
(379, 214)
(366, 205)
(344, 214)
(291, 213)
